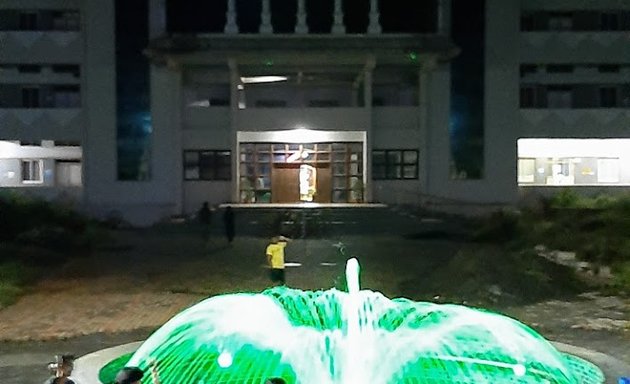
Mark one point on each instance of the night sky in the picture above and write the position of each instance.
(192, 16)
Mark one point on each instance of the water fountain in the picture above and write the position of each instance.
(353, 337)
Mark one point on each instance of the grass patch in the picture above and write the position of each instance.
(595, 228)
(14, 277)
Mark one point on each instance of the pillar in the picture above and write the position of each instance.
(338, 27)
(374, 27)
(265, 18)
(230, 24)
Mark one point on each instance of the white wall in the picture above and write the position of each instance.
(334, 119)
(141, 202)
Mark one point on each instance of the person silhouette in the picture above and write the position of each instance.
(228, 221)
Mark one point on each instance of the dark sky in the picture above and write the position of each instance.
(189, 16)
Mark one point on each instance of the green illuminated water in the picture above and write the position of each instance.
(354, 337)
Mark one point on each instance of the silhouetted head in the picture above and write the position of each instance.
(275, 380)
(129, 375)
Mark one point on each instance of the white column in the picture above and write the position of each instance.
(157, 18)
(235, 81)
(367, 100)
(301, 26)
(444, 17)
(374, 27)
(338, 26)
(424, 163)
(230, 24)
(265, 18)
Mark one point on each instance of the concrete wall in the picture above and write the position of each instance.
(140, 202)
(334, 119)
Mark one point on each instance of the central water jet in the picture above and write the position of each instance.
(353, 337)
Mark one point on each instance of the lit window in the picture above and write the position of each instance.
(526, 170)
(207, 165)
(608, 170)
(394, 164)
(32, 171)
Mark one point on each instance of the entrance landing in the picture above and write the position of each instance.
(305, 205)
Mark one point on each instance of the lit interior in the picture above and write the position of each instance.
(566, 162)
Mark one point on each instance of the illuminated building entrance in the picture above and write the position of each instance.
(319, 172)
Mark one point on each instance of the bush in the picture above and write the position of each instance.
(501, 226)
(37, 222)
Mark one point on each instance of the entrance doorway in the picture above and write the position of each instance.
(331, 172)
(293, 183)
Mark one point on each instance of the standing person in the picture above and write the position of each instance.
(228, 220)
(62, 369)
(133, 375)
(275, 259)
(204, 215)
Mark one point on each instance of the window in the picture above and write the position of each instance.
(527, 22)
(608, 170)
(609, 21)
(68, 173)
(29, 68)
(394, 164)
(526, 170)
(528, 97)
(32, 172)
(65, 20)
(608, 97)
(323, 103)
(271, 103)
(608, 68)
(560, 68)
(74, 70)
(207, 165)
(28, 21)
(30, 97)
(67, 143)
(559, 97)
(560, 21)
(528, 69)
(66, 96)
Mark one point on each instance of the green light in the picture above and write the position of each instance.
(269, 62)
(413, 56)
(360, 336)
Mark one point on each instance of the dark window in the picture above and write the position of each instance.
(394, 164)
(527, 22)
(67, 68)
(29, 68)
(30, 97)
(608, 97)
(32, 171)
(207, 165)
(528, 97)
(66, 20)
(609, 21)
(28, 21)
(66, 96)
(528, 69)
(218, 102)
(323, 103)
(67, 143)
(560, 21)
(559, 68)
(608, 68)
(271, 103)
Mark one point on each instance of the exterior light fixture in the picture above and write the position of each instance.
(262, 79)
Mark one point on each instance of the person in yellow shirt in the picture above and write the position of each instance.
(275, 258)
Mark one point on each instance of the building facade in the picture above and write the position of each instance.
(299, 117)
(558, 91)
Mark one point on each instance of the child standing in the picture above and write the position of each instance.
(275, 259)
